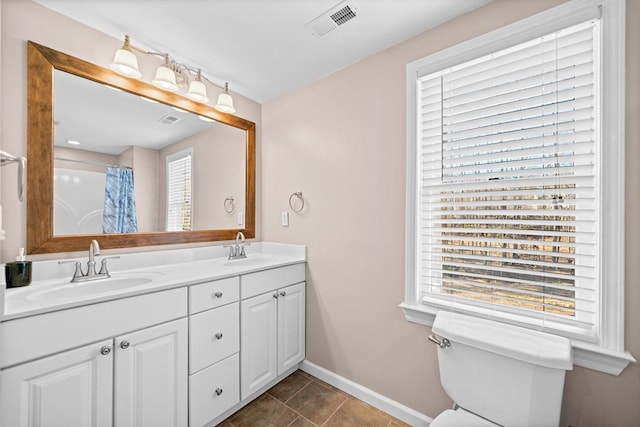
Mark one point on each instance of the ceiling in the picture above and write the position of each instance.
(103, 120)
(261, 47)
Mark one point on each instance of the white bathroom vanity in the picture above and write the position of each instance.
(173, 338)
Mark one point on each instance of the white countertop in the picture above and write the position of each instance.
(156, 270)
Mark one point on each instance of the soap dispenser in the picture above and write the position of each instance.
(18, 273)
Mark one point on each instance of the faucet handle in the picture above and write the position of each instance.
(78, 271)
(103, 265)
(242, 252)
(232, 250)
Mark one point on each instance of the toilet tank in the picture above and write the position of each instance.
(509, 375)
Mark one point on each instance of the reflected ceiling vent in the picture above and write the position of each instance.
(332, 19)
(169, 119)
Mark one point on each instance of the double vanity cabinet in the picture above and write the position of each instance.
(187, 354)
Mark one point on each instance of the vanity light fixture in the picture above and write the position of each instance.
(171, 76)
(166, 77)
(125, 62)
(197, 90)
(225, 102)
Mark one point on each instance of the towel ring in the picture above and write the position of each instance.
(297, 194)
(228, 205)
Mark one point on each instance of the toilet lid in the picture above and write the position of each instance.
(460, 418)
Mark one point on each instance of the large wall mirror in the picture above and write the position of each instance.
(123, 162)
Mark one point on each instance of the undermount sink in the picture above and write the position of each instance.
(93, 287)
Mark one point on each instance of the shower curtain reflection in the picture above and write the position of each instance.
(119, 202)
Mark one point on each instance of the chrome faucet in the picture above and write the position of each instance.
(237, 251)
(80, 276)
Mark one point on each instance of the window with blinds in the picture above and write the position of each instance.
(179, 191)
(508, 181)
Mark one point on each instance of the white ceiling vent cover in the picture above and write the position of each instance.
(169, 119)
(332, 19)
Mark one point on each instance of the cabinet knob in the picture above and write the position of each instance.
(105, 350)
(218, 294)
(275, 295)
(219, 335)
(218, 391)
(283, 293)
(124, 345)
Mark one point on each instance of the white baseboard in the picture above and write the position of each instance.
(391, 407)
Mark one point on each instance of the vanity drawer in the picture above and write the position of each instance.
(268, 280)
(213, 335)
(213, 294)
(214, 390)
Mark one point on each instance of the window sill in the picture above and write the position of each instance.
(586, 355)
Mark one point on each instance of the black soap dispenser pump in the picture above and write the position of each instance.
(18, 273)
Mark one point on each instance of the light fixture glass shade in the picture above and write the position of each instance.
(225, 103)
(165, 79)
(153, 101)
(125, 63)
(206, 119)
(198, 92)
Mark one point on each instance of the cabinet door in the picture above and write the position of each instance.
(258, 342)
(73, 388)
(291, 326)
(150, 378)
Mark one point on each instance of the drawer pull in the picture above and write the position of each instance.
(275, 295)
(124, 345)
(283, 293)
(218, 391)
(219, 336)
(218, 294)
(105, 350)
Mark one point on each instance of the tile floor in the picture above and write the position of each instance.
(301, 400)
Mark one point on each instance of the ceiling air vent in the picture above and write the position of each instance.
(332, 19)
(169, 119)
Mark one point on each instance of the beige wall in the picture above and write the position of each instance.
(341, 141)
(24, 20)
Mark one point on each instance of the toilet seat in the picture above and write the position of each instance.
(460, 418)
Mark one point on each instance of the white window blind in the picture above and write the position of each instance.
(507, 182)
(179, 197)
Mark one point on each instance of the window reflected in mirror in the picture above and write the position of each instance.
(179, 191)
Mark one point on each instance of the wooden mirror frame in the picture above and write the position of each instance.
(40, 238)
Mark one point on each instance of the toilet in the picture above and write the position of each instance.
(499, 374)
